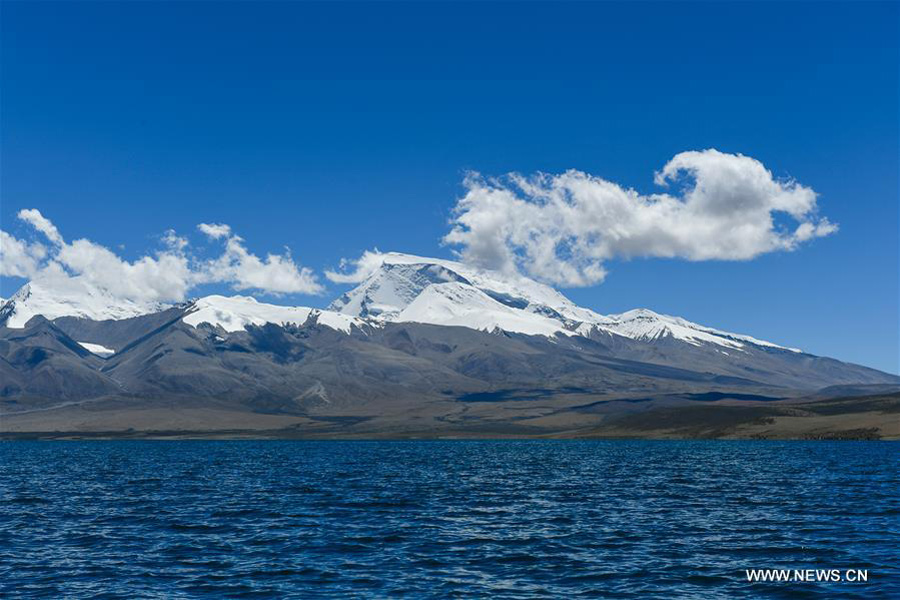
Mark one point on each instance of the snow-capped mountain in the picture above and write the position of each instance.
(76, 298)
(404, 289)
(401, 278)
(69, 297)
(415, 289)
(236, 312)
(410, 348)
(646, 325)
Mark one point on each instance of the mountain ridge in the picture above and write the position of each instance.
(416, 346)
(404, 288)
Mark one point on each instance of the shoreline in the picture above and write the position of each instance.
(874, 417)
(247, 435)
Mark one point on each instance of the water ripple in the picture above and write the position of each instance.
(529, 519)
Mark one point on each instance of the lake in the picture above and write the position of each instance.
(435, 519)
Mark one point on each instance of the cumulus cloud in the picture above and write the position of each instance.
(19, 258)
(167, 275)
(215, 230)
(174, 242)
(356, 270)
(277, 273)
(34, 217)
(563, 228)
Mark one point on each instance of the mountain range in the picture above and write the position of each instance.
(421, 347)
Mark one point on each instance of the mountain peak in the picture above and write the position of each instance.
(409, 288)
(644, 324)
(233, 313)
(393, 286)
(403, 288)
(69, 297)
(401, 278)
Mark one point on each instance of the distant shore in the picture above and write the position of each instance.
(865, 418)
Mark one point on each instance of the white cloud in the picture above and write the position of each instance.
(34, 217)
(168, 275)
(563, 228)
(215, 230)
(359, 268)
(19, 258)
(174, 242)
(277, 274)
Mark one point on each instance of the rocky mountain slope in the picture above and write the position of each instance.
(420, 345)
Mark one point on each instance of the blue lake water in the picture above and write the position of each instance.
(433, 519)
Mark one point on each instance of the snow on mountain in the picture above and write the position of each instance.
(409, 288)
(69, 297)
(405, 288)
(402, 277)
(646, 325)
(97, 349)
(236, 312)
(453, 303)
(76, 298)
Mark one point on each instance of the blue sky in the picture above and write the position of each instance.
(334, 128)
